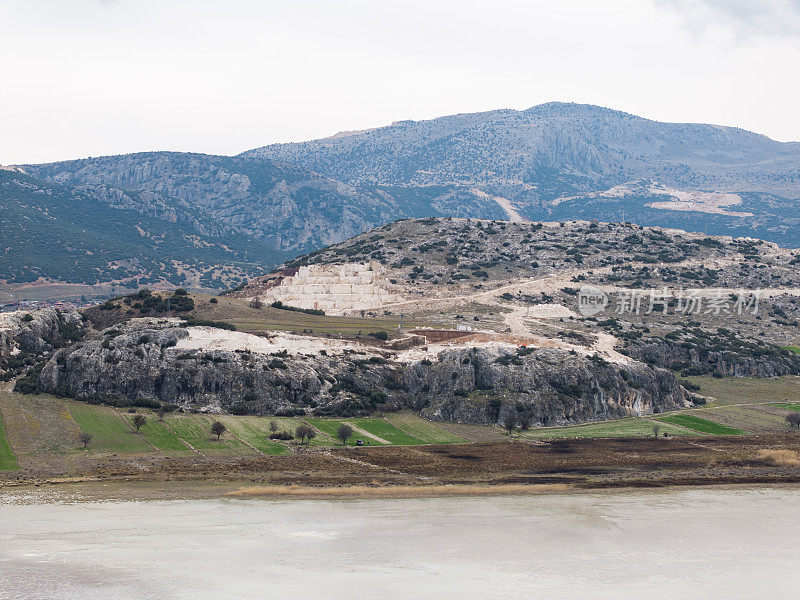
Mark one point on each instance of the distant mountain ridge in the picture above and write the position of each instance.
(550, 150)
(554, 161)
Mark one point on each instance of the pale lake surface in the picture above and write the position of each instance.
(698, 543)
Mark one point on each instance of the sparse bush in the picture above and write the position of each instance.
(344, 433)
(305, 433)
(218, 428)
(510, 422)
(139, 421)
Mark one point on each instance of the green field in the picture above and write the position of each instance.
(428, 432)
(255, 431)
(621, 428)
(795, 349)
(386, 431)
(329, 427)
(787, 406)
(752, 418)
(7, 459)
(196, 430)
(701, 425)
(159, 435)
(750, 390)
(109, 431)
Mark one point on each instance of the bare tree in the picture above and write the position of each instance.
(273, 426)
(510, 422)
(793, 419)
(256, 302)
(305, 433)
(160, 414)
(656, 429)
(218, 429)
(84, 439)
(344, 433)
(139, 421)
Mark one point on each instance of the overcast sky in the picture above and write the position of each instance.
(90, 77)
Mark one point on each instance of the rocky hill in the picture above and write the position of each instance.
(566, 161)
(492, 320)
(551, 149)
(199, 367)
(240, 214)
(286, 207)
(447, 257)
(527, 279)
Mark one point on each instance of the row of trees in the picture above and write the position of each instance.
(304, 432)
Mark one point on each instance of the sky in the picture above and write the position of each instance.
(92, 77)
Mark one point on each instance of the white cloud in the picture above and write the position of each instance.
(740, 17)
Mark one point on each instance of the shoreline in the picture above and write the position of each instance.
(166, 491)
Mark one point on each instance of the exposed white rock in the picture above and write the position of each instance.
(211, 338)
(332, 288)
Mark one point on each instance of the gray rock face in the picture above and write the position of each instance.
(38, 331)
(766, 362)
(139, 360)
(287, 207)
(552, 386)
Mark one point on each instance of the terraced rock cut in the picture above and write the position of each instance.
(701, 425)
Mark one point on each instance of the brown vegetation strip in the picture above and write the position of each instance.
(396, 491)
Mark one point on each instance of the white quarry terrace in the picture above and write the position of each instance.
(332, 288)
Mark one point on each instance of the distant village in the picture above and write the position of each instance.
(64, 304)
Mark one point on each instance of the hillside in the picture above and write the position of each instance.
(540, 157)
(551, 149)
(523, 282)
(447, 257)
(98, 234)
(286, 207)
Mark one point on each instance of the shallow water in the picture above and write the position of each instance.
(709, 543)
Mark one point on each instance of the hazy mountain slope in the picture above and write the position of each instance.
(550, 149)
(96, 235)
(287, 207)
(753, 214)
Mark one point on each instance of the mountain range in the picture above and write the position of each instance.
(241, 215)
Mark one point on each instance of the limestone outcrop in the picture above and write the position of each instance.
(164, 362)
(37, 331)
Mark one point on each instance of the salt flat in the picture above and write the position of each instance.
(699, 543)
